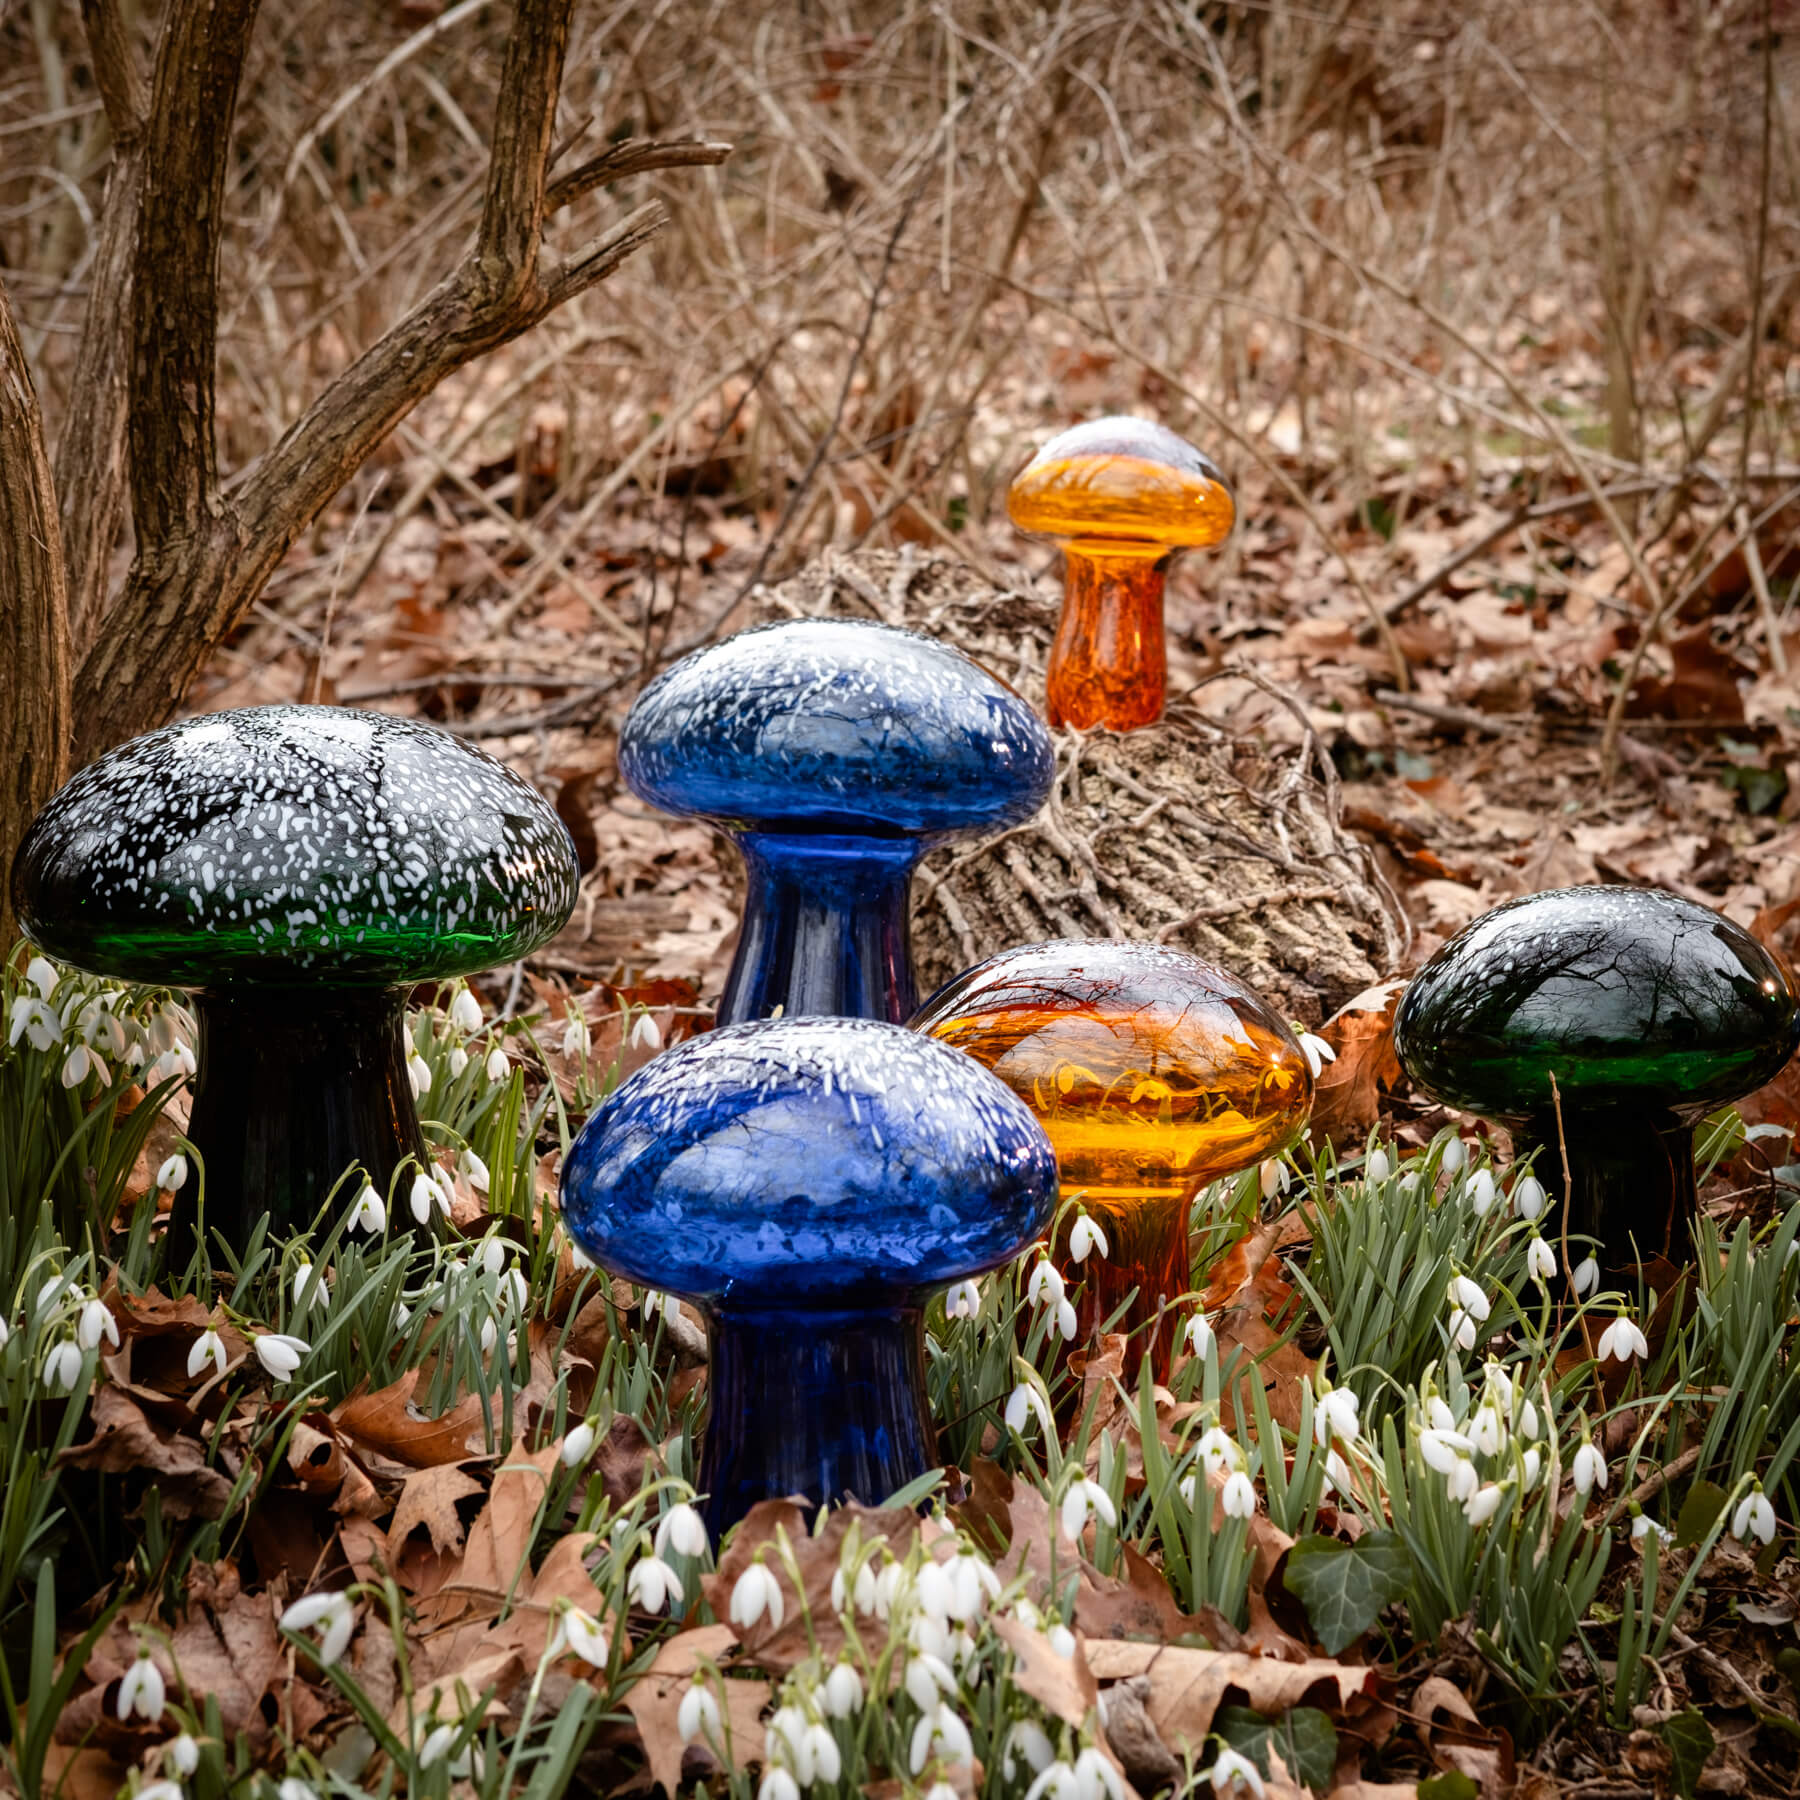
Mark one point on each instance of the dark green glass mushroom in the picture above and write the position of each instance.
(1648, 1010)
(297, 869)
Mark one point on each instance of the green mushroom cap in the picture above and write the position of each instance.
(294, 843)
(1628, 996)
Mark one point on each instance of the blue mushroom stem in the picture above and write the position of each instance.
(824, 1404)
(826, 928)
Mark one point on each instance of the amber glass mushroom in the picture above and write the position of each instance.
(1121, 496)
(1152, 1073)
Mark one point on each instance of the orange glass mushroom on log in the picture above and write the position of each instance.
(1152, 1073)
(1121, 496)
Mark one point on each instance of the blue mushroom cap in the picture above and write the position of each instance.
(837, 724)
(808, 1163)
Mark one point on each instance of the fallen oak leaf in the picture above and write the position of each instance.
(384, 1421)
(429, 1498)
(654, 1701)
(1347, 1092)
(127, 1442)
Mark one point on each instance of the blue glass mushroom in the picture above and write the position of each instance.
(297, 869)
(838, 752)
(809, 1183)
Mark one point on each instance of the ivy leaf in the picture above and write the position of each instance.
(1705, 1501)
(1691, 1742)
(1304, 1737)
(1344, 1586)
(1452, 1784)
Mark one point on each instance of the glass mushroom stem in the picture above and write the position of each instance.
(826, 1404)
(1122, 496)
(1152, 1073)
(1109, 664)
(826, 928)
(295, 1086)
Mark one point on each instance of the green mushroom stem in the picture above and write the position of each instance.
(295, 1086)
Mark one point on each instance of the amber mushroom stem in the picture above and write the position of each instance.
(1146, 1264)
(1108, 665)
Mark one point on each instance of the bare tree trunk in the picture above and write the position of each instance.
(34, 614)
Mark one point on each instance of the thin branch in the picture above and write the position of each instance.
(116, 72)
(512, 216)
(631, 156)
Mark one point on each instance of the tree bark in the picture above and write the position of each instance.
(34, 615)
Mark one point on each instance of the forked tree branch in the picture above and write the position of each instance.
(202, 557)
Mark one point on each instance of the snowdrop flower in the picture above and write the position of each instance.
(42, 976)
(652, 1584)
(1540, 1261)
(82, 1062)
(476, 1170)
(1443, 1450)
(1230, 1770)
(1338, 1479)
(1086, 1499)
(1272, 1177)
(418, 1073)
(465, 1012)
(426, 1194)
(843, 1690)
(1483, 1192)
(1483, 1503)
(1219, 1451)
(1528, 1419)
(280, 1354)
(62, 1367)
(698, 1715)
(578, 1446)
(492, 1255)
(1468, 1295)
(580, 1633)
(293, 1788)
(1463, 1331)
(940, 1733)
(5, 1333)
(1335, 1414)
(1622, 1341)
(208, 1347)
(863, 1589)
(489, 1335)
(497, 1067)
(311, 1288)
(35, 1022)
(1455, 1156)
(1644, 1526)
(1238, 1496)
(927, 1680)
(1438, 1414)
(437, 1743)
(575, 1038)
(1586, 1277)
(183, 1753)
(682, 1527)
(1317, 1051)
(1529, 1198)
(1085, 1238)
(1376, 1166)
(1589, 1469)
(331, 1615)
(141, 1690)
(652, 1303)
(646, 1034)
(757, 1592)
(368, 1213)
(1027, 1398)
(185, 1060)
(1487, 1432)
(778, 1784)
(1530, 1463)
(173, 1174)
(96, 1322)
(1062, 1641)
(1029, 1740)
(1055, 1783)
(48, 1295)
(963, 1301)
(578, 1257)
(1200, 1334)
(1066, 1322)
(1460, 1484)
(1046, 1285)
(1095, 1776)
(1754, 1517)
(459, 1060)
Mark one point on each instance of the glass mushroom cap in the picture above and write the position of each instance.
(294, 843)
(1153, 1073)
(809, 1182)
(840, 752)
(1122, 486)
(296, 868)
(1121, 496)
(1646, 1009)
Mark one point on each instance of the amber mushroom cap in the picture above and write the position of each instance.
(1121, 486)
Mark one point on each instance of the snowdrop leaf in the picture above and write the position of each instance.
(1345, 1586)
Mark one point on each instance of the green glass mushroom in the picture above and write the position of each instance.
(297, 869)
(1635, 1012)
